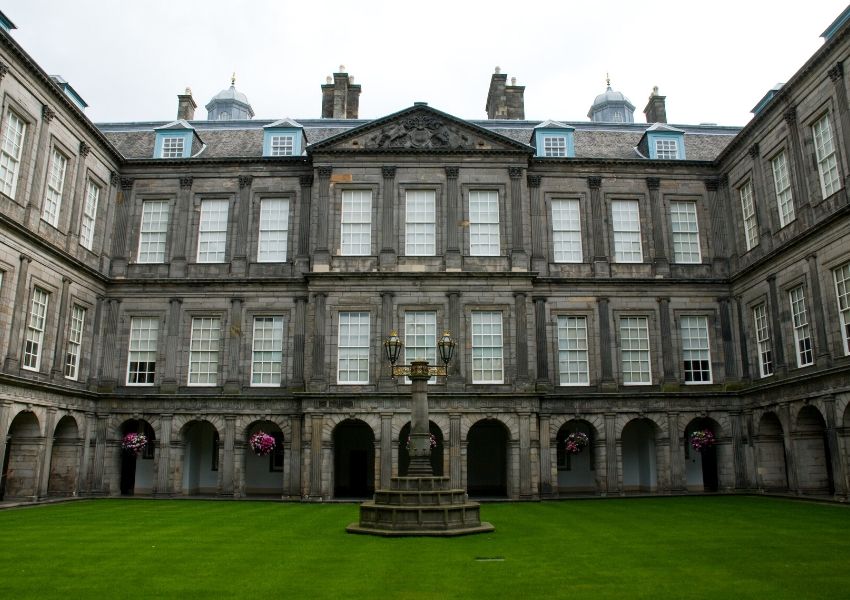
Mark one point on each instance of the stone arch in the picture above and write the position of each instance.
(263, 475)
(597, 422)
(702, 468)
(180, 423)
(331, 422)
(508, 420)
(639, 455)
(576, 473)
(116, 424)
(770, 453)
(811, 450)
(353, 442)
(437, 454)
(200, 456)
(488, 458)
(65, 458)
(136, 471)
(23, 457)
(660, 424)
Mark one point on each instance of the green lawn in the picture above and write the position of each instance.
(697, 547)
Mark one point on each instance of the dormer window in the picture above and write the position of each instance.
(172, 147)
(553, 140)
(174, 140)
(283, 138)
(554, 145)
(666, 149)
(662, 142)
(281, 145)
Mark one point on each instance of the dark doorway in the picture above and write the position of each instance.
(130, 460)
(487, 460)
(703, 464)
(354, 460)
(436, 453)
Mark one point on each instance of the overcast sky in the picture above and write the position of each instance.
(713, 60)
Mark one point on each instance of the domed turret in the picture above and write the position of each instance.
(612, 107)
(229, 104)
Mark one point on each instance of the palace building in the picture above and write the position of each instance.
(199, 280)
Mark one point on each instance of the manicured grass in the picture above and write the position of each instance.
(697, 547)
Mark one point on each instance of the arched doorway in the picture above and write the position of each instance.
(770, 446)
(576, 472)
(640, 465)
(200, 458)
(137, 469)
(811, 448)
(264, 474)
(20, 467)
(701, 467)
(354, 460)
(487, 459)
(436, 453)
(65, 460)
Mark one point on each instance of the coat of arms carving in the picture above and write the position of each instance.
(421, 132)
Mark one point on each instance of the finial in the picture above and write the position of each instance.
(329, 79)
(233, 79)
(342, 68)
(498, 70)
(655, 90)
(608, 80)
(188, 91)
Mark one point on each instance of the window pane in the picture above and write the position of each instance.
(10, 153)
(763, 340)
(89, 215)
(782, 182)
(75, 341)
(203, 351)
(666, 149)
(683, 218)
(35, 330)
(842, 291)
(830, 180)
(572, 350)
(356, 239)
(267, 351)
(566, 231)
(487, 347)
(800, 322)
(353, 347)
(634, 350)
(696, 355)
(55, 185)
(484, 223)
(625, 216)
(212, 231)
(274, 230)
(748, 212)
(420, 223)
(153, 231)
(141, 357)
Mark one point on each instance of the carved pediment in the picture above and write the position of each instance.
(420, 132)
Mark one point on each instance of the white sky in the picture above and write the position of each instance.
(713, 60)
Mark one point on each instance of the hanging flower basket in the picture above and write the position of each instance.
(576, 442)
(134, 443)
(262, 443)
(701, 439)
(430, 436)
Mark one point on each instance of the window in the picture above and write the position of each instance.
(487, 365)
(173, 147)
(634, 350)
(141, 357)
(353, 359)
(281, 145)
(153, 231)
(484, 223)
(55, 185)
(267, 351)
(626, 218)
(554, 146)
(420, 223)
(572, 350)
(420, 338)
(827, 160)
(666, 149)
(842, 291)
(696, 355)
(763, 340)
(10, 153)
(782, 182)
(356, 223)
(748, 211)
(274, 230)
(212, 231)
(566, 231)
(75, 341)
(89, 215)
(683, 218)
(203, 350)
(800, 321)
(35, 330)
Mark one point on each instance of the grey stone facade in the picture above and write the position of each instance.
(499, 435)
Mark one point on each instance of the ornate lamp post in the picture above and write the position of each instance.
(419, 373)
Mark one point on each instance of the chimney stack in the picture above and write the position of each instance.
(505, 101)
(656, 108)
(186, 105)
(340, 96)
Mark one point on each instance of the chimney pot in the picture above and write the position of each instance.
(513, 80)
(498, 70)
(342, 68)
(503, 101)
(656, 108)
(186, 105)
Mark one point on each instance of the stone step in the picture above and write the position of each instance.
(416, 518)
(420, 483)
(420, 497)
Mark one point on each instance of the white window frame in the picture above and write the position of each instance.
(204, 351)
(763, 345)
(281, 144)
(487, 347)
(573, 361)
(54, 188)
(153, 231)
(684, 223)
(696, 350)
(666, 149)
(748, 212)
(555, 146)
(802, 331)
(635, 356)
(34, 341)
(484, 235)
(273, 234)
(782, 183)
(841, 276)
(173, 146)
(212, 230)
(353, 348)
(827, 159)
(267, 351)
(566, 231)
(14, 134)
(420, 223)
(89, 215)
(74, 342)
(142, 350)
(420, 338)
(356, 223)
(625, 223)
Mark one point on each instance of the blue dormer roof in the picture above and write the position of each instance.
(767, 98)
(836, 24)
(662, 142)
(553, 139)
(69, 91)
(168, 136)
(275, 142)
(6, 23)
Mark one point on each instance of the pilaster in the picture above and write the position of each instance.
(453, 212)
(521, 353)
(539, 222)
(298, 342)
(19, 311)
(57, 372)
(388, 257)
(661, 262)
(519, 256)
(177, 265)
(821, 343)
(318, 379)
(302, 255)
(322, 257)
(601, 268)
(242, 214)
(168, 383)
(233, 385)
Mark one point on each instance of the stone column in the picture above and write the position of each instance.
(455, 459)
(106, 374)
(169, 373)
(78, 199)
(669, 373)
(738, 448)
(542, 382)
(836, 75)
(58, 371)
(42, 155)
(242, 214)
(718, 215)
(318, 379)
(658, 228)
(796, 163)
(759, 191)
(317, 423)
(611, 457)
(118, 264)
(322, 255)
(730, 240)
(300, 329)
(521, 339)
(43, 475)
(545, 457)
(302, 255)
(455, 379)
(388, 230)
(607, 375)
(163, 456)
(539, 222)
(824, 357)
(179, 252)
(525, 491)
(839, 474)
(4, 416)
(83, 483)
(600, 251)
(295, 456)
(101, 436)
(677, 458)
(386, 449)
(788, 442)
(519, 256)
(453, 212)
(729, 366)
(385, 325)
(97, 350)
(775, 327)
(234, 375)
(20, 310)
(742, 340)
(228, 459)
